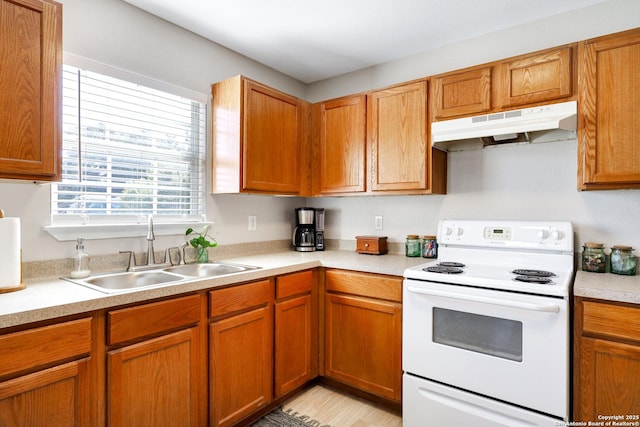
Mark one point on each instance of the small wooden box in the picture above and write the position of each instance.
(374, 245)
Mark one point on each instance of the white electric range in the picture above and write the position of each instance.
(486, 326)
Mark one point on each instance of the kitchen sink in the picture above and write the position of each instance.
(122, 282)
(209, 269)
(112, 283)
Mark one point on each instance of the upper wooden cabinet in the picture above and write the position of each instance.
(342, 145)
(377, 143)
(462, 93)
(540, 77)
(30, 88)
(400, 158)
(609, 107)
(259, 138)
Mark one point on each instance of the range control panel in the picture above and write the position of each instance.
(497, 233)
(540, 235)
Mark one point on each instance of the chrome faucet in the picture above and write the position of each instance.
(151, 258)
(181, 254)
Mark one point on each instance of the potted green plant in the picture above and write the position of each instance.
(201, 243)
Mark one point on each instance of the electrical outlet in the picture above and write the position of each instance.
(378, 222)
(253, 222)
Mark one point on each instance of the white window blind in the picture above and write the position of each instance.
(129, 151)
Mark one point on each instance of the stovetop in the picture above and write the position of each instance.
(488, 254)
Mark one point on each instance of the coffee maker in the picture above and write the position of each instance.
(319, 229)
(304, 235)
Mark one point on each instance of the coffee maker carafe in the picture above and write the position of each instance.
(304, 235)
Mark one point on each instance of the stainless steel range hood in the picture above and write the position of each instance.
(553, 122)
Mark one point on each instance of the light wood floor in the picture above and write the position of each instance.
(336, 409)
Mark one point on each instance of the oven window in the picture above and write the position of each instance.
(483, 334)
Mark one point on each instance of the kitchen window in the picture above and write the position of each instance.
(129, 150)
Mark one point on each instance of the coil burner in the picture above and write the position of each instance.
(446, 267)
(540, 277)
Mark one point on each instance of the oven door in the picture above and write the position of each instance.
(509, 346)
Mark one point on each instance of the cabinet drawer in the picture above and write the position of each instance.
(39, 346)
(365, 284)
(612, 320)
(150, 319)
(294, 284)
(240, 298)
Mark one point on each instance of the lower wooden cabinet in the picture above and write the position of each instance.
(152, 383)
(156, 381)
(57, 396)
(39, 385)
(296, 336)
(607, 360)
(363, 332)
(240, 351)
(211, 358)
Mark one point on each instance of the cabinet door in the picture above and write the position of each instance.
(154, 383)
(544, 76)
(32, 392)
(292, 344)
(462, 93)
(342, 145)
(296, 331)
(363, 344)
(397, 138)
(58, 396)
(271, 134)
(30, 80)
(608, 148)
(609, 373)
(241, 373)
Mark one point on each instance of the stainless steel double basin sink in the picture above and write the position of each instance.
(112, 283)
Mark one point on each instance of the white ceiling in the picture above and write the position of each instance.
(312, 40)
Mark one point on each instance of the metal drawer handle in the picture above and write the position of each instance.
(548, 308)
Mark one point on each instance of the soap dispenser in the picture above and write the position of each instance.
(80, 262)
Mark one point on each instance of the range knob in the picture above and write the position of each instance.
(542, 234)
(556, 235)
(448, 231)
(458, 231)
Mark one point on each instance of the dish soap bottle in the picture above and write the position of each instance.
(80, 262)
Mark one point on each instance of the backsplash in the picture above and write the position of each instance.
(118, 262)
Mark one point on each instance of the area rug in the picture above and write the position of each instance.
(288, 418)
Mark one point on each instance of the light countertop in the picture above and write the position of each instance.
(45, 299)
(607, 286)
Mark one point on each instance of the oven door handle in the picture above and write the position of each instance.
(548, 308)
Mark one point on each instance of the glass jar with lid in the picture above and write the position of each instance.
(622, 260)
(593, 258)
(429, 247)
(412, 246)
